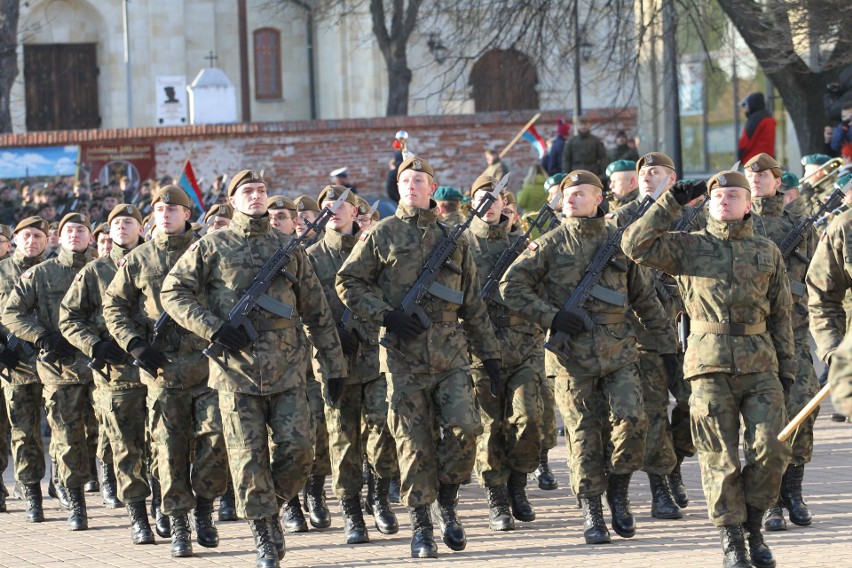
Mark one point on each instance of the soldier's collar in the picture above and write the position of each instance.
(408, 213)
(76, 260)
(249, 226)
(731, 230)
(586, 225)
(771, 206)
(21, 258)
(621, 199)
(175, 242)
(337, 240)
(485, 231)
(118, 252)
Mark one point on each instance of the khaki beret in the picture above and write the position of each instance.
(728, 178)
(509, 197)
(483, 182)
(363, 206)
(101, 228)
(654, 159)
(580, 177)
(280, 202)
(6, 231)
(35, 223)
(333, 192)
(219, 210)
(305, 203)
(415, 163)
(124, 210)
(763, 162)
(76, 218)
(172, 195)
(243, 177)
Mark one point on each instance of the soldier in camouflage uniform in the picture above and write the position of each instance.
(61, 367)
(775, 223)
(602, 377)
(261, 383)
(183, 410)
(117, 382)
(740, 350)
(449, 205)
(840, 378)
(510, 446)
(23, 391)
(430, 388)
(282, 214)
(364, 389)
(5, 248)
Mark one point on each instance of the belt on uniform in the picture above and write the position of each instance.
(273, 324)
(604, 319)
(508, 321)
(727, 328)
(447, 316)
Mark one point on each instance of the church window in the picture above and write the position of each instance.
(267, 64)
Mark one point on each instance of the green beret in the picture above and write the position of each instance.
(482, 182)
(34, 222)
(763, 162)
(172, 195)
(414, 163)
(219, 210)
(728, 178)
(815, 159)
(580, 177)
(555, 179)
(243, 177)
(620, 166)
(654, 159)
(6, 231)
(305, 203)
(101, 228)
(333, 192)
(842, 180)
(789, 180)
(447, 193)
(280, 202)
(76, 218)
(124, 210)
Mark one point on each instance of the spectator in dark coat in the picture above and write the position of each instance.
(585, 151)
(552, 161)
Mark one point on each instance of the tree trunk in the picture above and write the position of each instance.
(399, 82)
(803, 98)
(9, 11)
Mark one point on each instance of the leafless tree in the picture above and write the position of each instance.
(9, 11)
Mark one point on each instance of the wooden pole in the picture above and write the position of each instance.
(519, 134)
(804, 413)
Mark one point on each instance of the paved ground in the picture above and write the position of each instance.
(554, 539)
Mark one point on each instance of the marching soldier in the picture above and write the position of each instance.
(429, 388)
(5, 248)
(366, 216)
(218, 217)
(449, 205)
(261, 383)
(282, 214)
(307, 210)
(840, 378)
(736, 294)
(183, 410)
(5, 242)
(623, 182)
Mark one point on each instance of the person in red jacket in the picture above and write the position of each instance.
(759, 133)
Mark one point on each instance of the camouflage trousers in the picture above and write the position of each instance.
(805, 387)
(70, 413)
(718, 402)
(681, 423)
(322, 461)
(23, 406)
(435, 427)
(363, 407)
(180, 419)
(263, 483)
(511, 424)
(548, 399)
(660, 457)
(101, 405)
(4, 443)
(124, 427)
(601, 412)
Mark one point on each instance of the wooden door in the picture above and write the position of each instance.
(504, 79)
(61, 82)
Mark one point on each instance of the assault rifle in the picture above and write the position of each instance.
(797, 234)
(255, 297)
(426, 283)
(347, 324)
(160, 325)
(23, 348)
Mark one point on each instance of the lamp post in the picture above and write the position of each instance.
(578, 97)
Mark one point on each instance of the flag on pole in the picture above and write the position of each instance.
(532, 136)
(190, 185)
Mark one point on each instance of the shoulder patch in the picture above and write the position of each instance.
(609, 216)
(363, 236)
(533, 246)
(78, 277)
(122, 262)
(27, 275)
(193, 246)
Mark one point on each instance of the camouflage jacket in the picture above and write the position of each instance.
(518, 338)
(11, 269)
(726, 275)
(39, 292)
(840, 377)
(829, 278)
(381, 270)
(221, 267)
(327, 257)
(82, 322)
(132, 305)
(542, 279)
(453, 218)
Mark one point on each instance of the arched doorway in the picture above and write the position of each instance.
(504, 79)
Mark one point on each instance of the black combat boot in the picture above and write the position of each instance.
(422, 540)
(761, 556)
(791, 496)
(315, 502)
(77, 518)
(594, 526)
(733, 546)
(773, 520)
(383, 515)
(228, 505)
(267, 554)
(181, 536)
(206, 533)
(294, 518)
(677, 487)
(517, 488)
(370, 482)
(395, 491)
(31, 494)
(499, 517)
(277, 535)
(546, 479)
(92, 486)
(618, 500)
(55, 489)
(3, 495)
(662, 504)
(162, 523)
(140, 528)
(444, 509)
(109, 491)
(354, 528)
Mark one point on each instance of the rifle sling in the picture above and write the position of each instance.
(798, 288)
(608, 296)
(447, 294)
(273, 306)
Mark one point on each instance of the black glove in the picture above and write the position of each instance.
(402, 325)
(492, 367)
(8, 358)
(674, 369)
(570, 322)
(786, 384)
(685, 191)
(349, 341)
(231, 337)
(109, 351)
(149, 358)
(335, 389)
(56, 345)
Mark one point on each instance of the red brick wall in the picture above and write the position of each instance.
(297, 156)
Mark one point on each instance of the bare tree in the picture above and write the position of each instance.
(9, 11)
